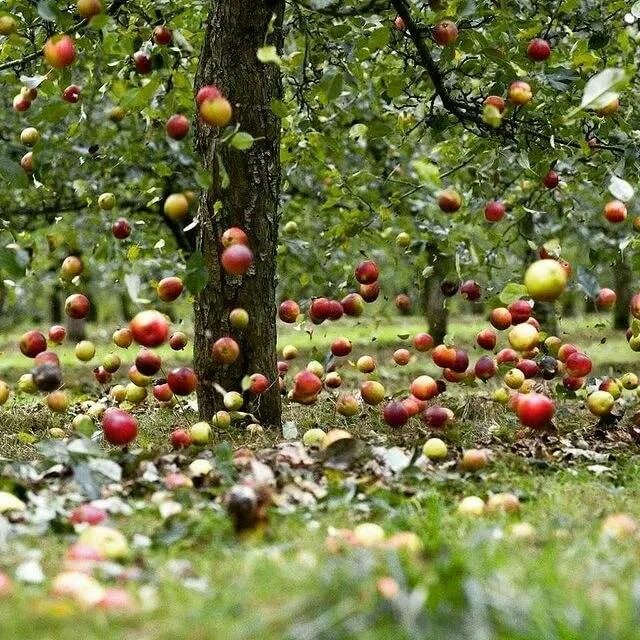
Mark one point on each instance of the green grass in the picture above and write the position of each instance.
(471, 579)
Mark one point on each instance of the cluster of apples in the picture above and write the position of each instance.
(529, 358)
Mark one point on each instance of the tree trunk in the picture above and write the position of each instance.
(544, 312)
(433, 302)
(76, 329)
(235, 30)
(622, 282)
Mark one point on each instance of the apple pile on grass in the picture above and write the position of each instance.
(526, 358)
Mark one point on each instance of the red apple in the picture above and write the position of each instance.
(395, 414)
(367, 272)
(121, 229)
(32, 343)
(500, 318)
(178, 341)
(578, 365)
(528, 367)
(437, 418)
(142, 62)
(422, 342)
(534, 410)
(170, 288)
(606, 298)
(20, 103)
(443, 356)
(289, 311)
(180, 438)
(182, 381)
(551, 179)
(60, 51)
(353, 305)
(335, 310)
(149, 328)
(520, 311)
(369, 292)
(57, 334)
(615, 211)
(162, 391)
(177, 126)
(118, 426)
(494, 211)
(470, 290)
(449, 201)
(306, 384)
(505, 356)
(485, 368)
(147, 362)
(101, 375)
(399, 24)
(236, 259)
(258, 383)
(497, 102)
(401, 357)
(225, 350)
(538, 50)
(486, 339)
(26, 162)
(424, 388)
(208, 92)
(341, 347)
(87, 514)
(77, 306)
(71, 93)
(162, 35)
(445, 33)
(403, 303)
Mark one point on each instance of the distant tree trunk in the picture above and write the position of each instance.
(55, 306)
(126, 308)
(76, 330)
(590, 305)
(433, 306)
(622, 282)
(544, 312)
(235, 30)
(568, 305)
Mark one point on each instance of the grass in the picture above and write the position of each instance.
(472, 578)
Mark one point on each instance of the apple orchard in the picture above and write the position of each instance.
(190, 188)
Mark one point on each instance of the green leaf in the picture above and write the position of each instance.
(197, 275)
(139, 98)
(242, 141)
(224, 176)
(335, 87)
(279, 108)
(603, 88)
(46, 11)
(620, 189)
(511, 292)
(268, 54)
(12, 173)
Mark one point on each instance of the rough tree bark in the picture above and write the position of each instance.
(622, 285)
(235, 30)
(433, 305)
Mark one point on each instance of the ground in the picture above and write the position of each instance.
(296, 575)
